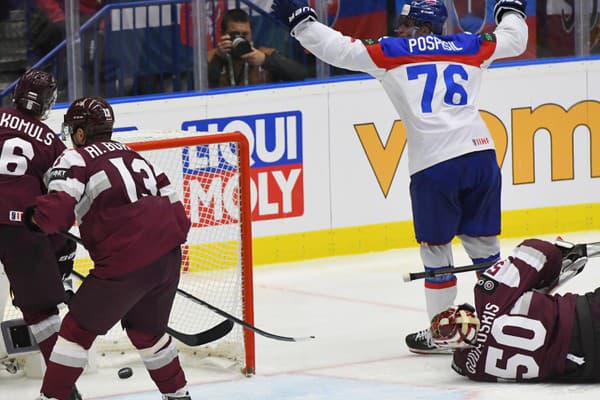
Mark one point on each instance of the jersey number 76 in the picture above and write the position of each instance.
(455, 94)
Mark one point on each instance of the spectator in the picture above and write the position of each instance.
(235, 61)
(49, 22)
(48, 30)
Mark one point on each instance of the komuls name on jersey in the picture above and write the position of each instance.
(431, 42)
(29, 128)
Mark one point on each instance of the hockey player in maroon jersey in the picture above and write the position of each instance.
(132, 223)
(518, 331)
(34, 262)
(433, 82)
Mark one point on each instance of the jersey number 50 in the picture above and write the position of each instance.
(455, 94)
(534, 335)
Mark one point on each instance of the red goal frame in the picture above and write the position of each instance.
(245, 220)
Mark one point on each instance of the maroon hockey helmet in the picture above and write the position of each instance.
(93, 114)
(35, 93)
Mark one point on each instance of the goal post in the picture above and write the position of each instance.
(214, 183)
(211, 174)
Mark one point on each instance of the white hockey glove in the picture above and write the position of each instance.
(503, 6)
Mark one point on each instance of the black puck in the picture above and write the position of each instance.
(125, 372)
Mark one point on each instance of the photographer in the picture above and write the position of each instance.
(236, 62)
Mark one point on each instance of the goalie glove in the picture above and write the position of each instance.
(455, 328)
(503, 6)
(573, 261)
(574, 258)
(293, 12)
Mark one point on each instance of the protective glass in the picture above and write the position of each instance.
(66, 131)
(51, 103)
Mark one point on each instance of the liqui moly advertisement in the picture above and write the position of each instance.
(276, 162)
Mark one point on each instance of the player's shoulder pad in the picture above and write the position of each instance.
(488, 37)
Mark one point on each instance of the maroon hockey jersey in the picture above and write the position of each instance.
(524, 334)
(27, 150)
(128, 214)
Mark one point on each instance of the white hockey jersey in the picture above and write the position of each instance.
(433, 81)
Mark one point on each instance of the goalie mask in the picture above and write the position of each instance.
(420, 12)
(455, 328)
(92, 114)
(35, 93)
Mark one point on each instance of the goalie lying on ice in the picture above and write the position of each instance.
(517, 330)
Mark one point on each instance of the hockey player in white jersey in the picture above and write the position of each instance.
(433, 82)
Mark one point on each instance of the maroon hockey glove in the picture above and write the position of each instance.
(28, 219)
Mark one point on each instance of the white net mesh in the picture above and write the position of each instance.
(213, 268)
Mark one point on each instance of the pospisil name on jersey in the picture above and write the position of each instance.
(276, 187)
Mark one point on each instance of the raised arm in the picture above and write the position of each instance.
(325, 43)
(511, 31)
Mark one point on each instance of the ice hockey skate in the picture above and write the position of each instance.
(422, 343)
(179, 395)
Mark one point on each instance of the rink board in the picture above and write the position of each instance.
(329, 163)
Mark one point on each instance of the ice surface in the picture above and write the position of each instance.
(360, 310)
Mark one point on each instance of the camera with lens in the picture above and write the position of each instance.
(239, 45)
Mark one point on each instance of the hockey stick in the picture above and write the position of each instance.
(195, 339)
(411, 276)
(240, 322)
(592, 249)
(230, 318)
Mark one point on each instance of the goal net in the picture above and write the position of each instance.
(212, 175)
